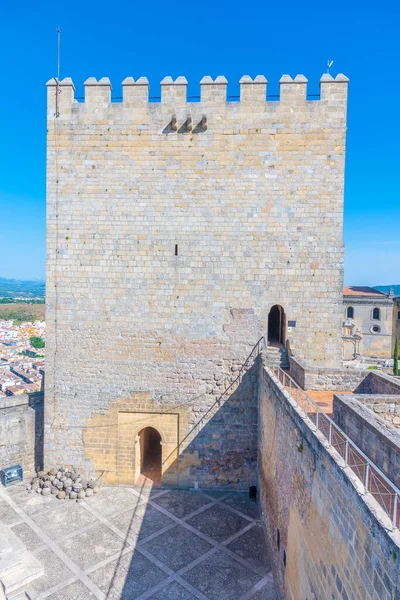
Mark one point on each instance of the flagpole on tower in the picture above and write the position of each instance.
(58, 52)
(58, 69)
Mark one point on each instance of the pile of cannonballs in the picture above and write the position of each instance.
(64, 484)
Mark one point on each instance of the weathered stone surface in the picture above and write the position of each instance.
(375, 434)
(183, 241)
(321, 526)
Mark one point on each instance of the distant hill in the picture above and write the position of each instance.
(386, 288)
(16, 289)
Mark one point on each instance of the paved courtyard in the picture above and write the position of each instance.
(142, 543)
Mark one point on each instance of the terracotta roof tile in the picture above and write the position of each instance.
(354, 290)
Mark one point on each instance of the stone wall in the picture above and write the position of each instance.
(330, 538)
(21, 431)
(386, 407)
(312, 378)
(172, 229)
(372, 434)
(378, 383)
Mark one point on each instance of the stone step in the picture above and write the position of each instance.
(20, 596)
(14, 583)
(9, 542)
(11, 551)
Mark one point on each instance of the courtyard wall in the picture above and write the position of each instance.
(328, 538)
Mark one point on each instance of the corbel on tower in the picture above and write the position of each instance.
(173, 93)
(213, 92)
(293, 91)
(135, 92)
(97, 92)
(253, 91)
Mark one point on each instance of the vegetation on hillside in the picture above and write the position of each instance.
(19, 313)
(396, 357)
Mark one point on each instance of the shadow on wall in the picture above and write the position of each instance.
(36, 403)
(195, 520)
(182, 544)
(220, 451)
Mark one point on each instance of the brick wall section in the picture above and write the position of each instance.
(167, 248)
(378, 383)
(335, 539)
(373, 435)
(21, 431)
(311, 378)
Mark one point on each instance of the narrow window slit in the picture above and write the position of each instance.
(176, 249)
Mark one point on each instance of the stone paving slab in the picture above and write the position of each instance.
(7, 515)
(92, 546)
(181, 503)
(127, 577)
(31, 540)
(173, 591)
(218, 523)
(55, 572)
(131, 543)
(185, 548)
(141, 524)
(74, 591)
(63, 518)
(251, 547)
(220, 577)
(241, 503)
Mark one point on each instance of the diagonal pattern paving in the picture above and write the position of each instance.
(131, 543)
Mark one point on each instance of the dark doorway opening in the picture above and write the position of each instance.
(276, 325)
(150, 454)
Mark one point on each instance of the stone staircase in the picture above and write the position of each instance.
(18, 566)
(278, 357)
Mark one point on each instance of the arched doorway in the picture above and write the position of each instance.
(276, 325)
(148, 457)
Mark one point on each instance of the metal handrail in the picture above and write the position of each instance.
(374, 480)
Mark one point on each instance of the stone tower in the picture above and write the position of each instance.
(180, 233)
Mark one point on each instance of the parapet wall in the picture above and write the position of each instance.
(378, 383)
(21, 431)
(213, 95)
(375, 436)
(309, 377)
(330, 538)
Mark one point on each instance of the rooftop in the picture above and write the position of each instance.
(353, 290)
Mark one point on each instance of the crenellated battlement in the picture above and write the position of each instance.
(213, 93)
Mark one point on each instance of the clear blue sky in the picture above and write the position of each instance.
(117, 39)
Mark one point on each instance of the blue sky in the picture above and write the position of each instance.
(155, 39)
